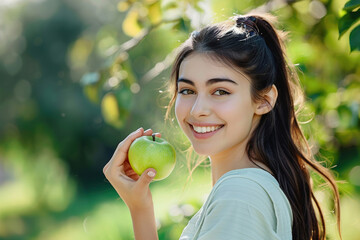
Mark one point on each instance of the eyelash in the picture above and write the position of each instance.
(185, 90)
(223, 91)
(189, 90)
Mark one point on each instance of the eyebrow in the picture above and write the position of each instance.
(208, 82)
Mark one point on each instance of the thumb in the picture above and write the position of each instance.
(147, 176)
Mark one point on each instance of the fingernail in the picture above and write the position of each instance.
(138, 130)
(151, 174)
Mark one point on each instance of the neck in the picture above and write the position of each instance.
(235, 157)
(231, 159)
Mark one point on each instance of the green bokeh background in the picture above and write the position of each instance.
(76, 77)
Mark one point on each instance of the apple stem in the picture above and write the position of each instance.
(153, 136)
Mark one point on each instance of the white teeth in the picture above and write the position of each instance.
(206, 129)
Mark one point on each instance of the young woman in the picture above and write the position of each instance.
(234, 96)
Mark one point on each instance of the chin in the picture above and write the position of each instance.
(204, 150)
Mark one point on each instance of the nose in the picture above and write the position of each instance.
(201, 107)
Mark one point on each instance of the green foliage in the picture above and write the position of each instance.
(350, 18)
(351, 5)
(355, 39)
(78, 76)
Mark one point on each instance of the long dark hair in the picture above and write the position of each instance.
(254, 46)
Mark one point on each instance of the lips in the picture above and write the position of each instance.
(203, 131)
(206, 129)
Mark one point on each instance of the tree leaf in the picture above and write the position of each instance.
(355, 39)
(130, 78)
(131, 26)
(112, 113)
(183, 25)
(123, 6)
(351, 5)
(92, 93)
(347, 21)
(155, 13)
(124, 97)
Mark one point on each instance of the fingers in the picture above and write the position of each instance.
(106, 167)
(133, 189)
(121, 151)
(149, 132)
(145, 179)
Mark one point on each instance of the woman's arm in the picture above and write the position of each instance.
(133, 189)
(144, 224)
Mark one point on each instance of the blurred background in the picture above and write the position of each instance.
(76, 77)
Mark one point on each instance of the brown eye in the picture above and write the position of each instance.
(186, 92)
(221, 92)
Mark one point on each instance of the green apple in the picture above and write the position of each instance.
(152, 152)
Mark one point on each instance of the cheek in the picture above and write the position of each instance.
(237, 113)
(180, 111)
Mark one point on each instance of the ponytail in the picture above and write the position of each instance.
(279, 142)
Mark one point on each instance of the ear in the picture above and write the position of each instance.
(267, 104)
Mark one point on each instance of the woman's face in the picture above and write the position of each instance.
(213, 105)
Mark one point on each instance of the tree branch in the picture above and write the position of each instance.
(128, 45)
(159, 67)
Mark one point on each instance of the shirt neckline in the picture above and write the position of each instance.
(242, 171)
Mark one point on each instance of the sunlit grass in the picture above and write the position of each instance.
(34, 203)
(350, 220)
(108, 217)
(27, 212)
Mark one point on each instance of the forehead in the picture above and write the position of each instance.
(202, 66)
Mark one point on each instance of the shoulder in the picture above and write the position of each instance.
(247, 185)
(256, 189)
(242, 189)
(245, 204)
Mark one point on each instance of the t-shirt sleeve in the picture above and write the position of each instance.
(240, 209)
(235, 219)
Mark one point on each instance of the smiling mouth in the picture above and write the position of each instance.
(206, 129)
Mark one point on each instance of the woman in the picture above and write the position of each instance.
(234, 96)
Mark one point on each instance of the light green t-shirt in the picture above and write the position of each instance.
(244, 204)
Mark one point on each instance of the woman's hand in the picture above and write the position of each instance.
(133, 189)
